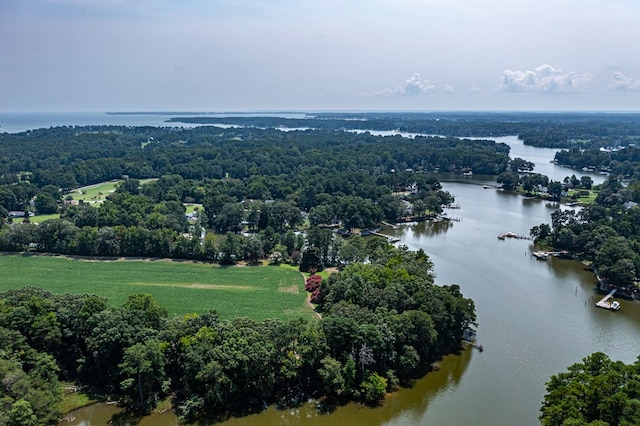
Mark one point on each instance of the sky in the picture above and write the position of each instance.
(319, 55)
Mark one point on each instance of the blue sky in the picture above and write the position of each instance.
(223, 55)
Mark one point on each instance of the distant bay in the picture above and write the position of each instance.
(16, 122)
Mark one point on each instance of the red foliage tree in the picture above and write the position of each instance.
(313, 283)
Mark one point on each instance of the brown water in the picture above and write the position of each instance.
(536, 318)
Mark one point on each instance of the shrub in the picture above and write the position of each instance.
(313, 283)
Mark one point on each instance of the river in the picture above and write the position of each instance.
(535, 318)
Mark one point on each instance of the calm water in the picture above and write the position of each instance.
(536, 317)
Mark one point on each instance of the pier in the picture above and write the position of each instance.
(543, 255)
(389, 238)
(605, 304)
(512, 235)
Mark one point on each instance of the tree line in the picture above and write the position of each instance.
(72, 157)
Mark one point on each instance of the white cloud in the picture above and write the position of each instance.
(412, 86)
(622, 82)
(544, 79)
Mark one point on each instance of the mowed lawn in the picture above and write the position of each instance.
(257, 292)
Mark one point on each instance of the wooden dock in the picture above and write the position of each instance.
(543, 255)
(605, 304)
(389, 238)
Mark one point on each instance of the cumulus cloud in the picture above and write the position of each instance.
(544, 79)
(622, 82)
(412, 86)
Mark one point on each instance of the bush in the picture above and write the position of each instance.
(313, 283)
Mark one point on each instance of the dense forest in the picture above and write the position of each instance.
(69, 157)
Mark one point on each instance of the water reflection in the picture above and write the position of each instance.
(426, 228)
(404, 407)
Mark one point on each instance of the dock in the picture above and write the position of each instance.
(544, 255)
(390, 225)
(504, 235)
(605, 304)
(389, 238)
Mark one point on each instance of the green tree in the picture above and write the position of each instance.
(311, 260)
(331, 375)
(509, 180)
(555, 189)
(45, 203)
(22, 414)
(147, 308)
(131, 186)
(374, 388)
(142, 372)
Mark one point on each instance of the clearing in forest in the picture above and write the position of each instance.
(256, 292)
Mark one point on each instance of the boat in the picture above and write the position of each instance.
(614, 305)
(509, 235)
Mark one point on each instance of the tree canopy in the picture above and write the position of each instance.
(596, 391)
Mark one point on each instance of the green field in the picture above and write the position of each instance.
(257, 292)
(42, 217)
(97, 193)
(94, 193)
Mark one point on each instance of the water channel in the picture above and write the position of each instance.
(535, 319)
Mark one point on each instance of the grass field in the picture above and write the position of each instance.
(42, 217)
(98, 193)
(590, 199)
(94, 193)
(257, 292)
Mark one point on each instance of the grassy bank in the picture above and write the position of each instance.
(257, 292)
